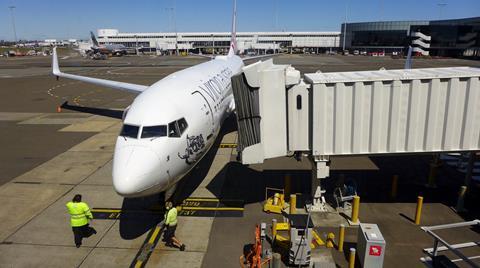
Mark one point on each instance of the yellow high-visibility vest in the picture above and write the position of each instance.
(171, 217)
(79, 213)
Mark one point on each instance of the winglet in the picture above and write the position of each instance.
(233, 41)
(55, 68)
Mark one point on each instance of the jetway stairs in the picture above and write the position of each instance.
(279, 113)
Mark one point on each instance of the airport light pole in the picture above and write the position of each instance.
(175, 24)
(13, 22)
(440, 10)
(213, 44)
(276, 15)
(345, 27)
(173, 18)
(136, 45)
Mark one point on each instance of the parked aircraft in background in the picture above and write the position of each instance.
(114, 49)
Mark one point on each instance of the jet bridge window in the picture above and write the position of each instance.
(129, 131)
(154, 131)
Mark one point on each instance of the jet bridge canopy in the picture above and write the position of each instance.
(354, 113)
(396, 111)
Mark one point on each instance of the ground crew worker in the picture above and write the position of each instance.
(80, 215)
(171, 226)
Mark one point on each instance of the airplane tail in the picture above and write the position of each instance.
(94, 40)
(233, 41)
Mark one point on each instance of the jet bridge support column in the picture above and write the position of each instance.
(320, 171)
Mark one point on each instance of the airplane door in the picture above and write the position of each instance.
(206, 111)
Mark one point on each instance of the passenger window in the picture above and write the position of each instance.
(173, 130)
(129, 131)
(154, 131)
(182, 125)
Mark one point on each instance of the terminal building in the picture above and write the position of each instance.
(451, 38)
(258, 42)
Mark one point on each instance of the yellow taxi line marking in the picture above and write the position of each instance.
(138, 264)
(208, 208)
(154, 235)
(107, 210)
(203, 199)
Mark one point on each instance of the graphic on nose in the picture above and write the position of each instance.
(135, 170)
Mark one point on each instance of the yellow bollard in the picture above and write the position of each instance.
(341, 237)
(274, 229)
(355, 208)
(330, 240)
(293, 203)
(351, 258)
(393, 194)
(418, 212)
(288, 185)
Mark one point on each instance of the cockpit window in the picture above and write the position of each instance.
(129, 131)
(182, 125)
(173, 130)
(154, 131)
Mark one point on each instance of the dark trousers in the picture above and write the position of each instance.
(169, 233)
(80, 232)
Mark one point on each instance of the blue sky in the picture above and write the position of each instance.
(42, 19)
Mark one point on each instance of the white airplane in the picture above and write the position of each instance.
(171, 124)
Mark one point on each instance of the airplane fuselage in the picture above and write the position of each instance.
(171, 125)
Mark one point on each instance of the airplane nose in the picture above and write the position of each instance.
(135, 170)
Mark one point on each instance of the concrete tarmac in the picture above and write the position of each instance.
(47, 157)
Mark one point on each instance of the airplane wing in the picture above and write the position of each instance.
(134, 88)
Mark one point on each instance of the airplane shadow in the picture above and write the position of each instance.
(138, 217)
(239, 182)
(117, 114)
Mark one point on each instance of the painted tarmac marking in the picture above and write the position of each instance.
(147, 247)
(211, 207)
(228, 145)
(190, 207)
(50, 91)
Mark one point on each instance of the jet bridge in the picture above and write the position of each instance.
(354, 113)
